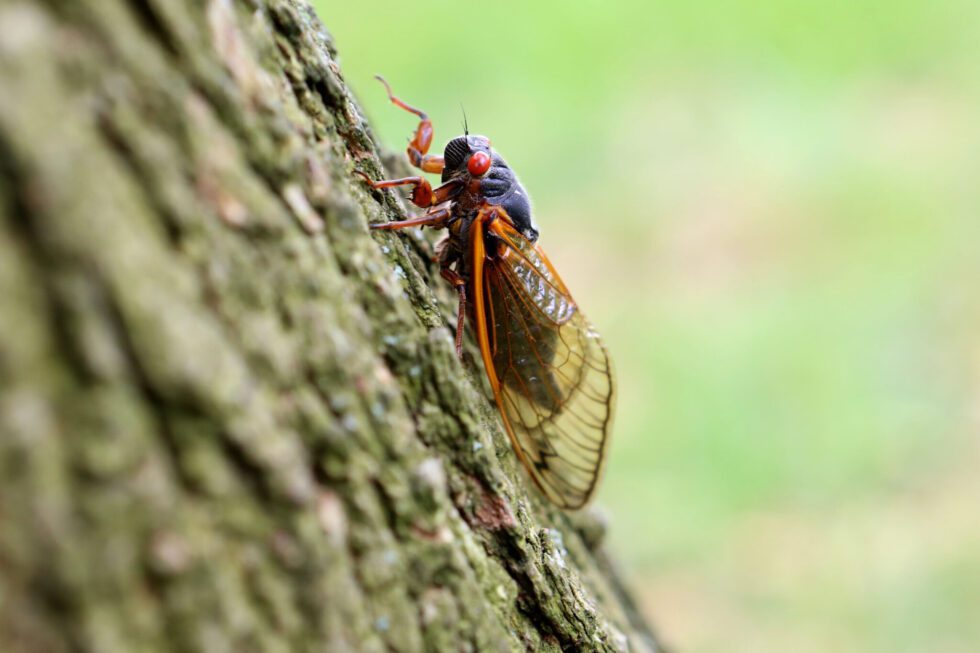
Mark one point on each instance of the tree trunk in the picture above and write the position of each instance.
(230, 418)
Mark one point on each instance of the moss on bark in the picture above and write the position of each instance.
(230, 418)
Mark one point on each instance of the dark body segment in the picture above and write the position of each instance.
(499, 186)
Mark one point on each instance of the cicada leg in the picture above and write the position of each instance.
(459, 283)
(435, 219)
(423, 194)
(418, 147)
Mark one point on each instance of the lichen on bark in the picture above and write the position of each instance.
(230, 418)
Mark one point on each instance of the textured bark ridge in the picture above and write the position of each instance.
(230, 418)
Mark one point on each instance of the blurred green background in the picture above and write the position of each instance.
(771, 210)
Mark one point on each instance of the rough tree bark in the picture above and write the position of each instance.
(230, 418)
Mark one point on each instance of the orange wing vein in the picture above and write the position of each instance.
(551, 375)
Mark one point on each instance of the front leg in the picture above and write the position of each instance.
(419, 146)
(422, 193)
(436, 219)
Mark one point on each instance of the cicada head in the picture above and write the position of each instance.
(469, 154)
(471, 157)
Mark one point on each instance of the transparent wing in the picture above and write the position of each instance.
(552, 376)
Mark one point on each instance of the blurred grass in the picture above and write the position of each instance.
(771, 210)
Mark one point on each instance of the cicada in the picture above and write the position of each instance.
(549, 371)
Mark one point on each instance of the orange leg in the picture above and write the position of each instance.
(435, 219)
(422, 193)
(419, 145)
(460, 285)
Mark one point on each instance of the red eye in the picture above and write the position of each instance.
(479, 164)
